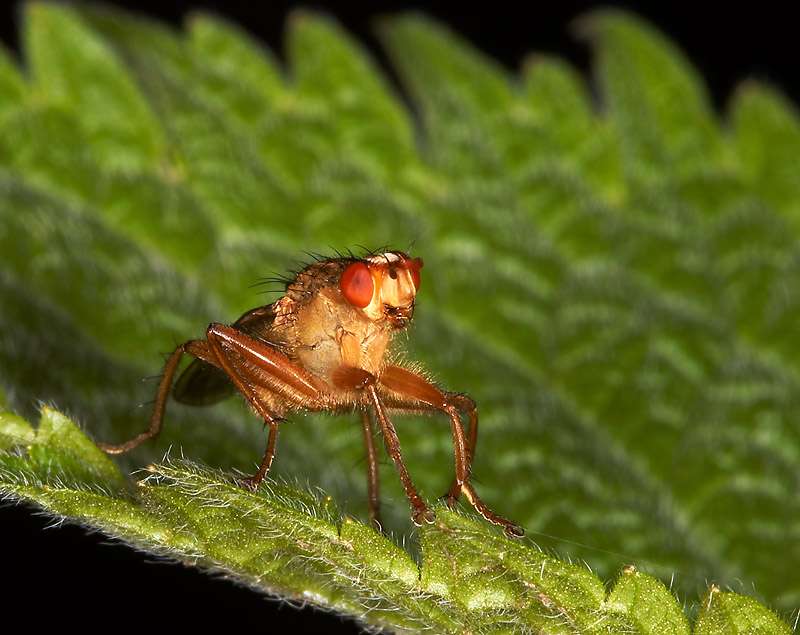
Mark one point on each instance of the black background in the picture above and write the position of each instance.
(65, 577)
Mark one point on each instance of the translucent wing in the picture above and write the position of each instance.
(202, 384)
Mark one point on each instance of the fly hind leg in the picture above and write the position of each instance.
(256, 368)
(197, 348)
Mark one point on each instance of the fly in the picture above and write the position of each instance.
(323, 347)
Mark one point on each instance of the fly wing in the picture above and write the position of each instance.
(202, 383)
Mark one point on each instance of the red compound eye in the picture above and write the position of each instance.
(357, 284)
(415, 278)
(413, 266)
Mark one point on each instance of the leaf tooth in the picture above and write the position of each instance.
(653, 95)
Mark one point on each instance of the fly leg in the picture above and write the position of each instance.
(413, 392)
(373, 492)
(351, 377)
(251, 364)
(225, 361)
(197, 348)
(463, 404)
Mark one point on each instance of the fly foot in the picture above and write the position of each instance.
(422, 514)
(249, 483)
(513, 531)
(450, 500)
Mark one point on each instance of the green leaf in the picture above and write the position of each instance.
(615, 284)
(656, 99)
(733, 614)
(58, 455)
(245, 78)
(104, 271)
(76, 70)
(286, 541)
(12, 86)
(560, 123)
(461, 91)
(15, 430)
(767, 129)
(437, 64)
(332, 75)
(648, 603)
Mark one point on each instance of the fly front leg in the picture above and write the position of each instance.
(410, 391)
(356, 378)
